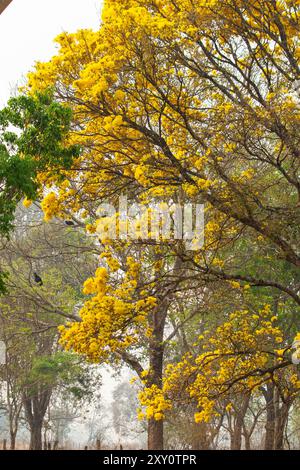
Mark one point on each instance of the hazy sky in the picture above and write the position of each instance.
(27, 30)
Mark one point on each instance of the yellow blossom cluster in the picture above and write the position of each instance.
(232, 361)
(154, 402)
(50, 206)
(27, 203)
(112, 318)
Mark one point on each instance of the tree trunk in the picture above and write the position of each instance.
(156, 353)
(14, 403)
(200, 436)
(155, 435)
(156, 428)
(279, 435)
(270, 421)
(277, 416)
(282, 414)
(13, 436)
(35, 409)
(270, 429)
(240, 413)
(247, 441)
(36, 435)
(236, 438)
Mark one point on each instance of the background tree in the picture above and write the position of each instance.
(35, 369)
(124, 416)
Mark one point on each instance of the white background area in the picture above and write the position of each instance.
(27, 30)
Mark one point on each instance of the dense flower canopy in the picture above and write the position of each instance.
(182, 101)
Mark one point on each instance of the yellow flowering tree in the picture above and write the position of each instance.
(178, 101)
(244, 356)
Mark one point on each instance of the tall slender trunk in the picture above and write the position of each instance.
(156, 357)
(277, 417)
(14, 415)
(14, 405)
(282, 414)
(157, 321)
(156, 428)
(236, 438)
(35, 407)
(13, 435)
(268, 394)
(247, 441)
(279, 434)
(200, 436)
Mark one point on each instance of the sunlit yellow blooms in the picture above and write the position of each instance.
(229, 407)
(90, 228)
(89, 286)
(140, 175)
(153, 400)
(50, 206)
(112, 262)
(105, 317)
(232, 355)
(27, 202)
(235, 284)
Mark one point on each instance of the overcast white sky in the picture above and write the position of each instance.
(27, 30)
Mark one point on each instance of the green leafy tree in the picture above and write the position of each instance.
(32, 129)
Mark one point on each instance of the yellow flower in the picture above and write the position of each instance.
(229, 407)
(50, 206)
(133, 380)
(235, 284)
(90, 228)
(27, 202)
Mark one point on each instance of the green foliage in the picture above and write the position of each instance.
(41, 126)
(60, 369)
(32, 132)
(3, 276)
(16, 181)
